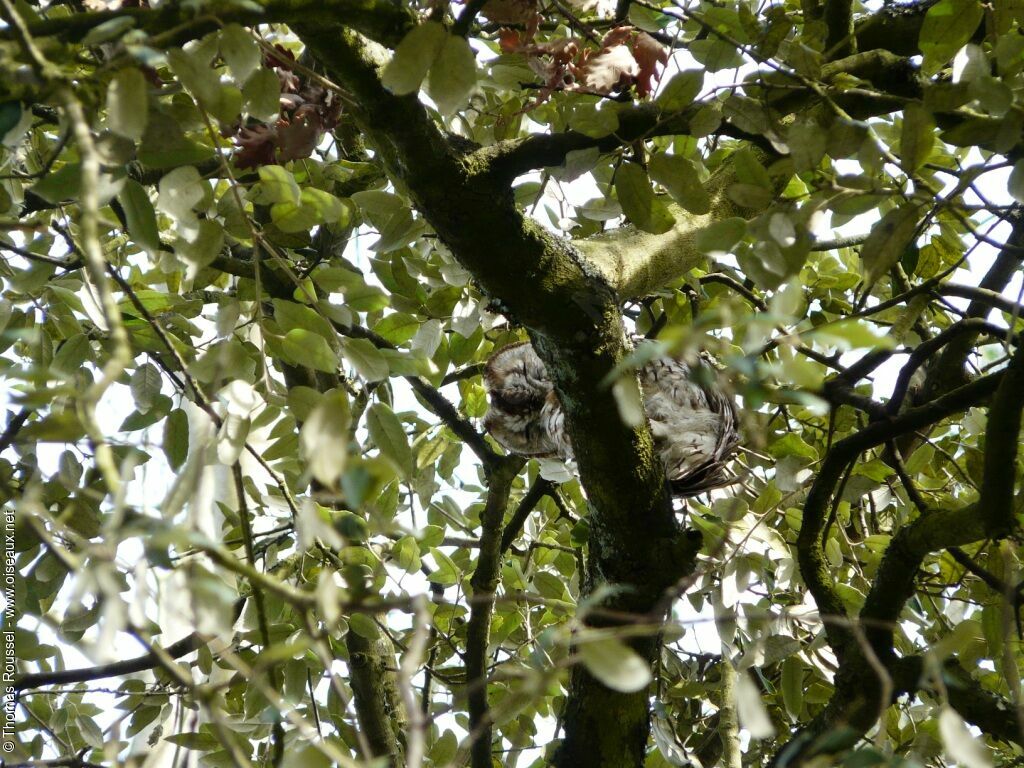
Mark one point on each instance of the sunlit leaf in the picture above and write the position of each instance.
(615, 664)
(324, 438)
(386, 431)
(413, 58)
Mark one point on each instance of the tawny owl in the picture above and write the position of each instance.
(693, 424)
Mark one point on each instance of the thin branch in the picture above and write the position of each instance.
(928, 348)
(537, 491)
(485, 583)
(183, 647)
(437, 402)
(13, 427)
(465, 21)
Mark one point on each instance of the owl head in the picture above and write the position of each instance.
(518, 387)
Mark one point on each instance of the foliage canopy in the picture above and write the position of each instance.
(254, 253)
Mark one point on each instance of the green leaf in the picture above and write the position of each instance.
(947, 27)
(750, 708)
(806, 141)
(175, 441)
(793, 686)
(615, 664)
(452, 75)
(193, 740)
(413, 58)
(443, 750)
(141, 217)
(61, 427)
(166, 146)
(127, 107)
(11, 115)
(406, 552)
(917, 137)
(447, 573)
(179, 192)
(721, 236)
(108, 30)
(302, 401)
(887, 241)
(145, 385)
(636, 196)
(387, 433)
(680, 91)
(1016, 181)
(240, 51)
(679, 176)
(192, 66)
(749, 170)
(59, 185)
(72, 354)
(364, 626)
(365, 358)
(324, 437)
(715, 54)
(261, 95)
(276, 185)
(200, 250)
(791, 444)
(313, 207)
(310, 349)
(392, 217)
(962, 745)
(291, 315)
(91, 732)
(398, 328)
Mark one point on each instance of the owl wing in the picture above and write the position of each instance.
(553, 418)
(693, 425)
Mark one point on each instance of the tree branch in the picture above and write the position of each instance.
(1002, 441)
(515, 524)
(485, 584)
(810, 542)
(183, 647)
(838, 16)
(972, 326)
(382, 21)
(948, 370)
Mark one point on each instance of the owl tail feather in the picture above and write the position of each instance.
(706, 477)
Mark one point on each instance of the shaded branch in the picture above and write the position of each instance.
(948, 370)
(183, 647)
(515, 524)
(838, 16)
(1002, 441)
(485, 583)
(972, 326)
(13, 427)
(382, 21)
(811, 540)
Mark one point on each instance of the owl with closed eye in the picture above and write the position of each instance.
(693, 423)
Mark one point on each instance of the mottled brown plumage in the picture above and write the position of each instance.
(693, 424)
